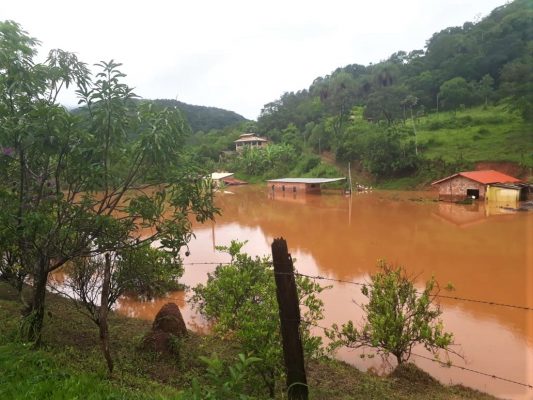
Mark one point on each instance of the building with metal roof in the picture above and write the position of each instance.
(226, 178)
(299, 185)
(216, 176)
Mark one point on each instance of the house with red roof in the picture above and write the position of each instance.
(475, 184)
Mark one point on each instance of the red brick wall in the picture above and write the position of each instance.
(293, 187)
(455, 188)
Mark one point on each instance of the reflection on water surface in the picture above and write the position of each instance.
(486, 252)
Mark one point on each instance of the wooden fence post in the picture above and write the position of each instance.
(289, 314)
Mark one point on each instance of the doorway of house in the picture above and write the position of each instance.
(472, 193)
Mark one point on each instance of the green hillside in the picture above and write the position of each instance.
(202, 118)
(466, 97)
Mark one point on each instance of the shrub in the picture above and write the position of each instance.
(307, 163)
(397, 317)
(240, 300)
(436, 125)
(386, 155)
(223, 382)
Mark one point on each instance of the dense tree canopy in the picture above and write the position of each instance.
(202, 118)
(477, 64)
(496, 49)
(77, 185)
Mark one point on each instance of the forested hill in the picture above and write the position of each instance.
(490, 61)
(203, 118)
(464, 100)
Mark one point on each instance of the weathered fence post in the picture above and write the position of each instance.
(289, 314)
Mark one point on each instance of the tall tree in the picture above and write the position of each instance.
(517, 85)
(455, 92)
(485, 88)
(386, 103)
(108, 178)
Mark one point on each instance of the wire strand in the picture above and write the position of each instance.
(442, 296)
(527, 385)
(474, 371)
(207, 263)
(319, 277)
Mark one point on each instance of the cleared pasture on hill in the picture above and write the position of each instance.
(477, 134)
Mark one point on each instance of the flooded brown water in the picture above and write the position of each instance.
(484, 251)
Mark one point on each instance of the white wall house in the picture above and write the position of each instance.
(250, 140)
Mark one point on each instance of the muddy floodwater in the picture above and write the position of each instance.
(485, 251)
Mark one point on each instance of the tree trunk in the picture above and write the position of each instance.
(399, 359)
(35, 314)
(102, 318)
(414, 131)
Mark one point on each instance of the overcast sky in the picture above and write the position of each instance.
(237, 55)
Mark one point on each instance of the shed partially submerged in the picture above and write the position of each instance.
(226, 178)
(218, 176)
(303, 185)
(477, 184)
(506, 193)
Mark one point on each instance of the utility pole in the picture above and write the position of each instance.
(350, 177)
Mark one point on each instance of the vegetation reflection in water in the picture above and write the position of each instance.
(482, 250)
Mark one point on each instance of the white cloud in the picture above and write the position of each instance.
(237, 54)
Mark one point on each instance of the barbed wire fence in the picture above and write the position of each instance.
(344, 281)
(444, 364)
(294, 274)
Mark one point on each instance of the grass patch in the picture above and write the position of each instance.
(449, 142)
(70, 365)
(318, 169)
(37, 374)
(477, 134)
(406, 182)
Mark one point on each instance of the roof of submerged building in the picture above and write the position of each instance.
(220, 175)
(306, 180)
(485, 177)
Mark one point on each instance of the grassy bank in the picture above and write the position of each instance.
(69, 365)
(490, 137)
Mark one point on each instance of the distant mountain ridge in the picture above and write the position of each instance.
(202, 118)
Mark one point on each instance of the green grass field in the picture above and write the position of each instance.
(478, 134)
(493, 136)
